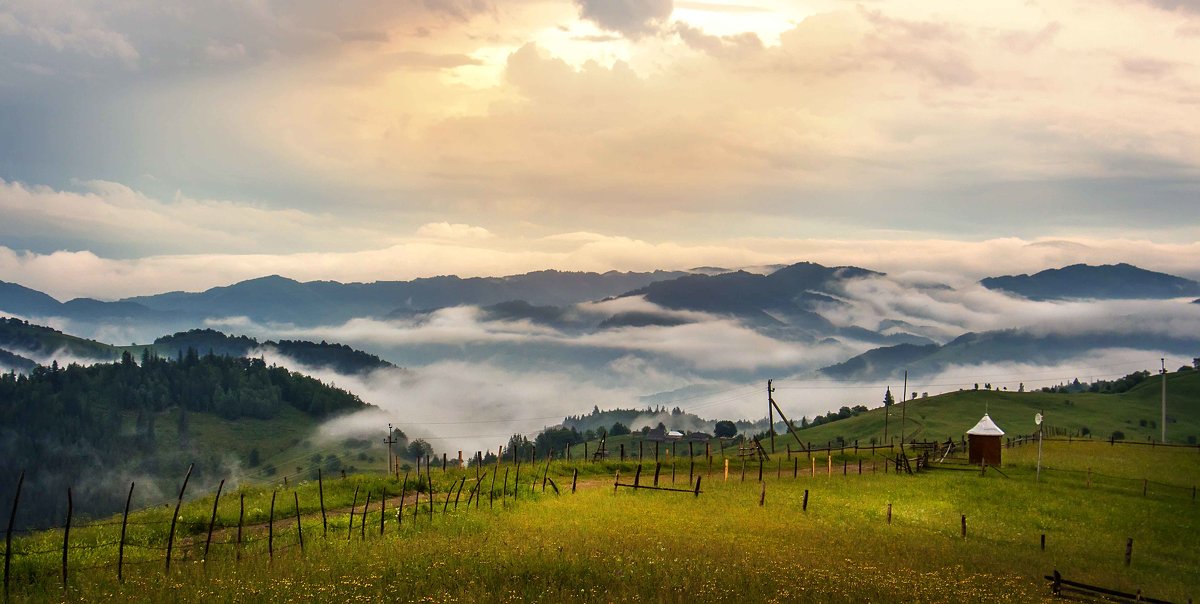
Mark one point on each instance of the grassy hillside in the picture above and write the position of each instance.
(951, 415)
(27, 339)
(810, 538)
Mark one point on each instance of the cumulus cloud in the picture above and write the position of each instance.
(630, 17)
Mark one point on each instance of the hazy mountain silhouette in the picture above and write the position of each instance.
(1109, 281)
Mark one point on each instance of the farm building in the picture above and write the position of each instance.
(983, 442)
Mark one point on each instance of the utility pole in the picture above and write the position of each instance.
(903, 404)
(1164, 399)
(771, 414)
(389, 442)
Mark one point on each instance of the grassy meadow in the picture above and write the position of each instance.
(597, 545)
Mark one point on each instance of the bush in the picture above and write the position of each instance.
(1118, 435)
(1084, 431)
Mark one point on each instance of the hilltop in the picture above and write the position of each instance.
(1109, 281)
(1133, 414)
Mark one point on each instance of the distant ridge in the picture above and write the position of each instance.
(1109, 281)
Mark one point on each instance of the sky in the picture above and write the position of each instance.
(158, 145)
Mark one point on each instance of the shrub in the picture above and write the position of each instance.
(1118, 435)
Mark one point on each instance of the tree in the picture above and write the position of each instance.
(888, 401)
(618, 429)
(420, 448)
(254, 458)
(725, 429)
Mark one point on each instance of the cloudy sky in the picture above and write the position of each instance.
(148, 145)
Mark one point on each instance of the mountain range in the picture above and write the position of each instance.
(792, 303)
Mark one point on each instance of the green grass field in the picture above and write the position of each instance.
(597, 545)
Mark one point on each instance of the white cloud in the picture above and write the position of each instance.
(445, 230)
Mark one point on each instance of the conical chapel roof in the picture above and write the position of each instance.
(986, 427)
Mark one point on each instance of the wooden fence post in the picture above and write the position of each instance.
(12, 519)
(461, 484)
(889, 514)
(622, 453)
(1128, 551)
(617, 481)
(697, 494)
(362, 524)
(814, 467)
(726, 470)
(383, 507)
(762, 499)
(400, 507)
(299, 529)
(1144, 483)
(575, 476)
(1043, 542)
(354, 504)
(795, 467)
(321, 498)
(964, 526)
(241, 516)
(271, 528)
(212, 520)
(121, 547)
(175, 516)
(804, 506)
(67, 537)
(657, 469)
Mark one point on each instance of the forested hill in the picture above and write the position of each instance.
(338, 357)
(69, 427)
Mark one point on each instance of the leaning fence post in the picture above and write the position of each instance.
(458, 492)
(12, 519)
(67, 537)
(804, 506)
(321, 498)
(353, 504)
(299, 530)
(362, 524)
(762, 499)
(575, 476)
(400, 508)
(212, 520)
(271, 528)
(241, 517)
(121, 547)
(178, 504)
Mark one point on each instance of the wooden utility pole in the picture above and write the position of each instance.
(1164, 399)
(771, 414)
(903, 404)
(389, 442)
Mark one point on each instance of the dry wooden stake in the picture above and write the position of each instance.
(271, 529)
(124, 524)
(241, 518)
(363, 522)
(354, 504)
(178, 504)
(12, 519)
(300, 531)
(321, 499)
(212, 520)
(726, 470)
(66, 537)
